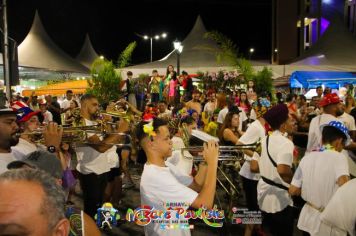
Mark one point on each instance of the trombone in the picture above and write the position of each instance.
(120, 115)
(79, 135)
(226, 153)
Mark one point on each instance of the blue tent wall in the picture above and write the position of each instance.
(312, 79)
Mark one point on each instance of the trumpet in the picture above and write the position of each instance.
(121, 115)
(78, 135)
(226, 153)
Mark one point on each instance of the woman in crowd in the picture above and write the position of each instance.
(173, 84)
(243, 103)
(163, 92)
(229, 133)
(70, 114)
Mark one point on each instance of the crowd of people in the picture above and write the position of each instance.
(304, 169)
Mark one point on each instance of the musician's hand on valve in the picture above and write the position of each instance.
(106, 118)
(211, 152)
(53, 135)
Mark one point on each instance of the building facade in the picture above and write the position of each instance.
(296, 26)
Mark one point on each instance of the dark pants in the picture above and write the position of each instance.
(93, 187)
(280, 223)
(250, 189)
(187, 95)
(140, 100)
(154, 97)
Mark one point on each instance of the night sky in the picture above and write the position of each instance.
(112, 24)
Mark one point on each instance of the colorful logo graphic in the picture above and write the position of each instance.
(175, 215)
(107, 216)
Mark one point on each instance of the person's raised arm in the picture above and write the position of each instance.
(107, 143)
(207, 194)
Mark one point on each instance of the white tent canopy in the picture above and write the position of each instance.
(195, 56)
(87, 54)
(39, 51)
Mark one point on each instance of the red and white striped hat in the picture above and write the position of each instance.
(24, 113)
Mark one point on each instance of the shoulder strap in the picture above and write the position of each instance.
(268, 181)
(269, 156)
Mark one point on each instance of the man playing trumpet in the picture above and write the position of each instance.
(162, 182)
(96, 160)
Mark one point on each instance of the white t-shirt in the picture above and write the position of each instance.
(161, 185)
(341, 210)
(222, 114)
(253, 115)
(242, 118)
(183, 163)
(317, 176)
(166, 114)
(22, 149)
(272, 199)
(177, 143)
(253, 133)
(348, 120)
(91, 161)
(314, 136)
(113, 157)
(47, 117)
(5, 159)
(210, 107)
(65, 104)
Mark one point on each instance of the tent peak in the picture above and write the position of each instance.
(87, 54)
(38, 50)
(196, 34)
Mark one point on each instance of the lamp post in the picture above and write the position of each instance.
(156, 37)
(179, 49)
(252, 50)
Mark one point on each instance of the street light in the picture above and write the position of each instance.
(252, 50)
(179, 49)
(156, 37)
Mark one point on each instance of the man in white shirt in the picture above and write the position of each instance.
(95, 161)
(332, 108)
(47, 115)
(347, 119)
(164, 113)
(274, 166)
(319, 175)
(162, 182)
(8, 136)
(340, 213)
(255, 132)
(65, 105)
(211, 105)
